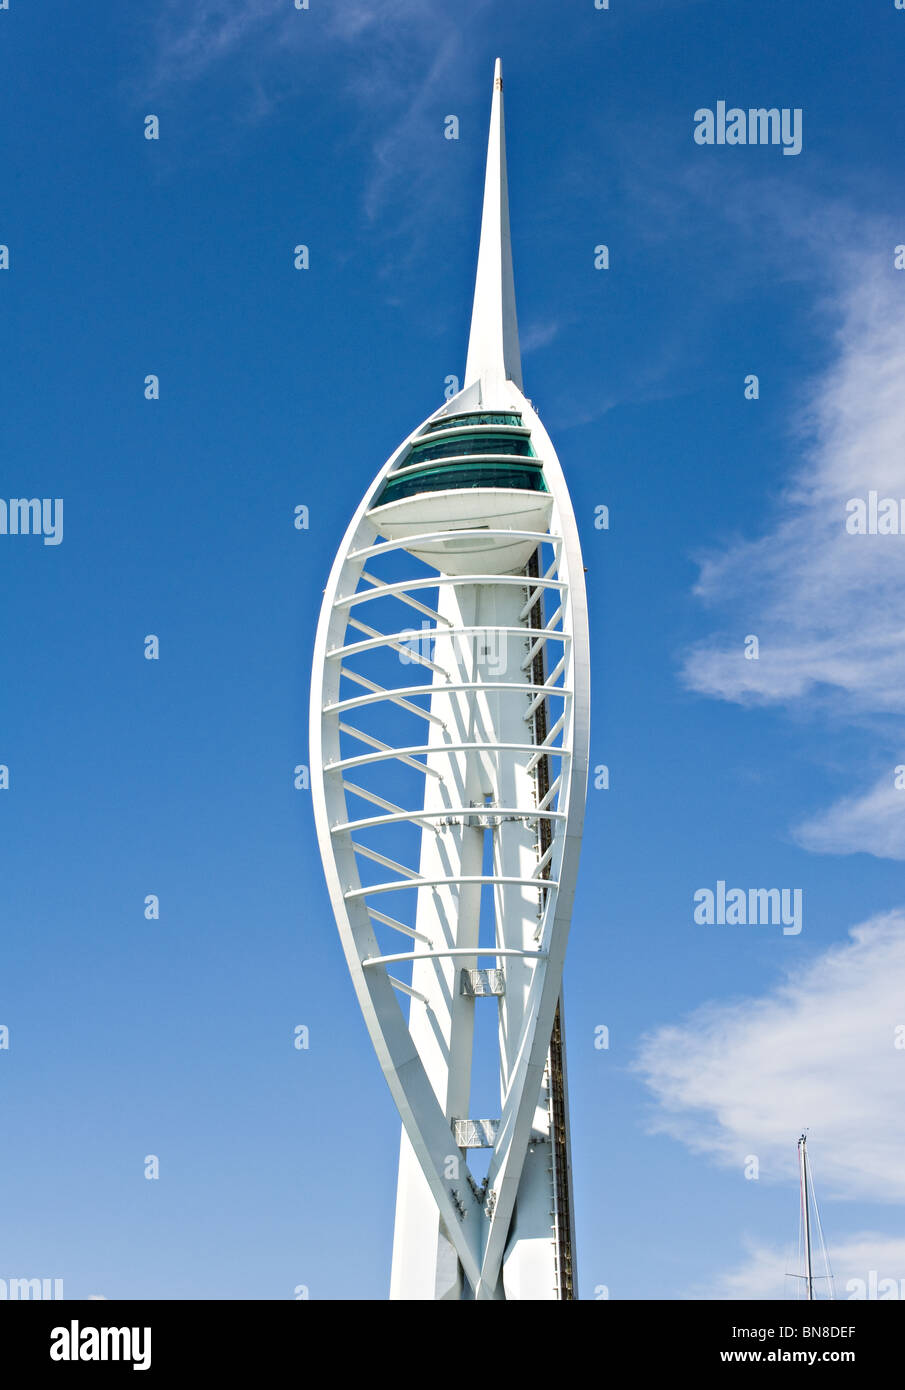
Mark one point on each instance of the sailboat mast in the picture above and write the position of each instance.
(806, 1211)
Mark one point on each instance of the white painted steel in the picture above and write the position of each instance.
(461, 829)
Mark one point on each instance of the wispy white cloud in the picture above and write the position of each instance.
(191, 39)
(762, 1273)
(401, 54)
(817, 1051)
(873, 823)
(539, 335)
(826, 605)
(408, 144)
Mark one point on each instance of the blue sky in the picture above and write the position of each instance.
(128, 777)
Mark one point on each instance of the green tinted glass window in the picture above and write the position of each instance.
(461, 445)
(477, 418)
(524, 476)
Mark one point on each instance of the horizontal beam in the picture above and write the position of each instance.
(400, 694)
(398, 639)
(404, 542)
(406, 755)
(401, 589)
(421, 817)
(455, 951)
(459, 882)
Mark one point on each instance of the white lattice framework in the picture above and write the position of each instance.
(449, 751)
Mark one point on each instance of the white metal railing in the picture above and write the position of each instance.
(455, 687)
(403, 639)
(407, 754)
(442, 881)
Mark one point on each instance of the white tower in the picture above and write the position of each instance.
(449, 769)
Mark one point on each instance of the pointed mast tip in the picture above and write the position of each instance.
(493, 346)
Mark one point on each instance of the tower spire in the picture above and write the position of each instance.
(493, 350)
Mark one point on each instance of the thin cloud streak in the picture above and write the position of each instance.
(826, 604)
(872, 823)
(818, 1050)
(411, 58)
(188, 41)
(539, 335)
(763, 1273)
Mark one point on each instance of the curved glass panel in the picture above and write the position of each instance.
(461, 445)
(480, 417)
(524, 476)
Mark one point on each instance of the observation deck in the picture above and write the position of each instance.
(472, 471)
